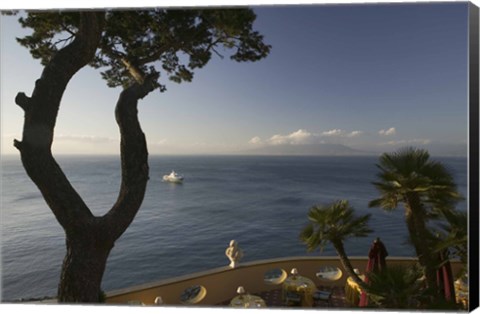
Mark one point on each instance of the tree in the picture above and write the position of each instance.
(396, 287)
(425, 188)
(454, 236)
(402, 287)
(133, 48)
(335, 223)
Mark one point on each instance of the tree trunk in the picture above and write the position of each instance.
(88, 250)
(134, 153)
(338, 245)
(89, 239)
(40, 117)
(83, 267)
(420, 238)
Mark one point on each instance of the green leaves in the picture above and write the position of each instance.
(333, 223)
(454, 234)
(51, 31)
(174, 42)
(410, 170)
(427, 191)
(178, 40)
(396, 287)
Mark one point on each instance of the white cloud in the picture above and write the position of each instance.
(255, 140)
(334, 132)
(412, 141)
(303, 136)
(341, 133)
(160, 142)
(84, 138)
(390, 131)
(354, 133)
(298, 137)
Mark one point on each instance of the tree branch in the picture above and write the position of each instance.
(134, 71)
(23, 101)
(40, 116)
(64, 40)
(217, 53)
(134, 158)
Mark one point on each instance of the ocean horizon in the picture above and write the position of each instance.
(260, 201)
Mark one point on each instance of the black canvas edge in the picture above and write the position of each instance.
(473, 198)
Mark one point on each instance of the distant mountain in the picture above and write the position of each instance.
(307, 149)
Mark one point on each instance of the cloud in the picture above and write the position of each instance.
(160, 142)
(85, 138)
(390, 131)
(341, 133)
(412, 141)
(334, 132)
(303, 136)
(71, 138)
(354, 133)
(298, 137)
(255, 140)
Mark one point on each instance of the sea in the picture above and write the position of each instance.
(260, 201)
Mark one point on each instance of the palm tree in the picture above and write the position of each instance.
(334, 223)
(425, 187)
(401, 287)
(397, 287)
(454, 237)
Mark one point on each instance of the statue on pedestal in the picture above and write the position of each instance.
(234, 253)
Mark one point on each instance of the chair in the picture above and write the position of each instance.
(293, 299)
(322, 296)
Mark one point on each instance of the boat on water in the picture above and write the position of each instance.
(173, 177)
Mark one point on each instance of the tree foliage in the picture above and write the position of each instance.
(334, 223)
(147, 42)
(411, 171)
(426, 189)
(397, 287)
(453, 235)
(132, 48)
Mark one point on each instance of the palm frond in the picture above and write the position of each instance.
(387, 203)
(333, 223)
(395, 287)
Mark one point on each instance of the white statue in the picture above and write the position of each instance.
(234, 253)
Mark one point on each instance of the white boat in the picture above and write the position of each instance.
(173, 177)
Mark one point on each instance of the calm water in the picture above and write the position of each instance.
(262, 202)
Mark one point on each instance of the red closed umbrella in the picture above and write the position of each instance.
(445, 278)
(376, 263)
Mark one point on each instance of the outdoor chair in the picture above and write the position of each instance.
(293, 299)
(322, 296)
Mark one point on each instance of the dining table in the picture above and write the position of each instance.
(247, 301)
(353, 291)
(461, 292)
(300, 285)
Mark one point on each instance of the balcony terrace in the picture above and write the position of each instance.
(216, 287)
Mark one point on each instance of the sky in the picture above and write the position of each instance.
(372, 77)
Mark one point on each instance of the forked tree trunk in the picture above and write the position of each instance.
(89, 239)
(87, 252)
(83, 268)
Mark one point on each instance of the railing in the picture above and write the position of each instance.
(220, 284)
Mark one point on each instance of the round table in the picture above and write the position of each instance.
(247, 301)
(461, 292)
(300, 285)
(353, 291)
